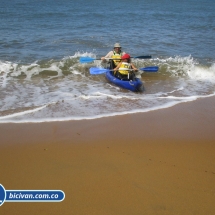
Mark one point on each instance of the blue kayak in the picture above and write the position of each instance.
(136, 85)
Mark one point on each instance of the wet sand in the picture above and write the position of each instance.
(160, 162)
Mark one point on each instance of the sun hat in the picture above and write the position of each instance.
(117, 45)
(126, 56)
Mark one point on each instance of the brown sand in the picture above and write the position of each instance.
(161, 162)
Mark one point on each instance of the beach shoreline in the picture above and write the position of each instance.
(159, 162)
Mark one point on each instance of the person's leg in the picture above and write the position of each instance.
(112, 65)
(132, 76)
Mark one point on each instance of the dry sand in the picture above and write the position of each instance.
(160, 162)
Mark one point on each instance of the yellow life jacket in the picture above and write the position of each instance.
(116, 56)
(124, 68)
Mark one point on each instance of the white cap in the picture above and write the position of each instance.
(117, 45)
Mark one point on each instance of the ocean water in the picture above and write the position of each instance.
(41, 42)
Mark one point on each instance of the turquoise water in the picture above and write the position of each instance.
(41, 78)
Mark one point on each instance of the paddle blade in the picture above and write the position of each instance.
(86, 59)
(144, 57)
(97, 71)
(150, 69)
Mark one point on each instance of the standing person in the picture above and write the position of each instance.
(123, 68)
(116, 54)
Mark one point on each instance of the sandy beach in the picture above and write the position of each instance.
(160, 162)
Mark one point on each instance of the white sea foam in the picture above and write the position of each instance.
(203, 73)
(21, 113)
(75, 118)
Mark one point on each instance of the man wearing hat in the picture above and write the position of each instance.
(115, 56)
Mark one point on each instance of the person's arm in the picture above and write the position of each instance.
(115, 69)
(133, 67)
(108, 55)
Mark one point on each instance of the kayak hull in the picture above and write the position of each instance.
(134, 86)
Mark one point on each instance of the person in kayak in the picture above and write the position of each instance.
(115, 54)
(123, 69)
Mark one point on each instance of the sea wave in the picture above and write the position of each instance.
(59, 90)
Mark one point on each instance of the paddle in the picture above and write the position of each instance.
(89, 59)
(97, 71)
